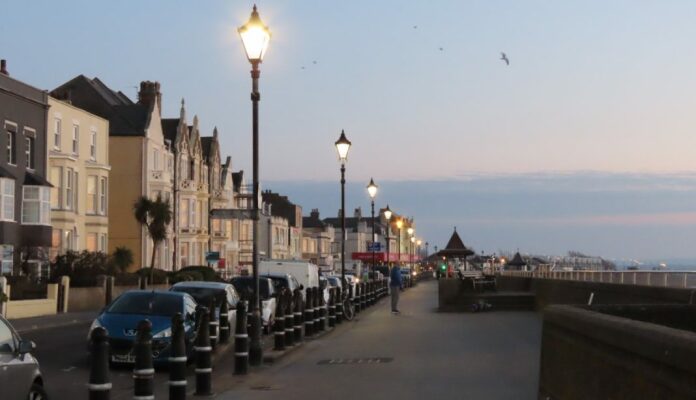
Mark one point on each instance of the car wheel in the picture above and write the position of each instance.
(37, 392)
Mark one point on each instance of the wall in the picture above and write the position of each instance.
(590, 355)
(554, 291)
(33, 308)
(126, 158)
(86, 299)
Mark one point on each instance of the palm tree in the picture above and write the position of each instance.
(155, 215)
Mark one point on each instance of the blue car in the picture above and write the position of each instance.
(121, 317)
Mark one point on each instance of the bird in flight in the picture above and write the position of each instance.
(442, 48)
(314, 62)
(503, 57)
(415, 26)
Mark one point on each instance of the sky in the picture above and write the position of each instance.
(595, 92)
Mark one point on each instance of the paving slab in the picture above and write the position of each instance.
(418, 354)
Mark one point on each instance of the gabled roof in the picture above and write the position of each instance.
(170, 129)
(206, 146)
(125, 117)
(313, 221)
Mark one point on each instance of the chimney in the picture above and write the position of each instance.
(358, 213)
(150, 93)
(314, 213)
(3, 67)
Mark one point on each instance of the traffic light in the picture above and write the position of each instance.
(443, 267)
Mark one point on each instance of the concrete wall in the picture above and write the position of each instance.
(591, 355)
(554, 291)
(33, 308)
(86, 299)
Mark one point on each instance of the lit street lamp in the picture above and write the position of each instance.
(387, 216)
(255, 37)
(419, 242)
(410, 249)
(342, 146)
(372, 191)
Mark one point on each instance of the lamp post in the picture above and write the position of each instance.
(418, 248)
(387, 216)
(255, 37)
(410, 250)
(410, 232)
(342, 146)
(372, 191)
(399, 224)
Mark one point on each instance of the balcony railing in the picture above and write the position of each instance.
(675, 279)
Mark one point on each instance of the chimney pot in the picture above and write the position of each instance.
(3, 67)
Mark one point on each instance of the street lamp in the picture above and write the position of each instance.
(418, 243)
(410, 249)
(372, 191)
(387, 216)
(399, 224)
(255, 37)
(342, 146)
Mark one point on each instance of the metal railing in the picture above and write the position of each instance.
(675, 279)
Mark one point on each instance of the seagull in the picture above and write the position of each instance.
(503, 57)
(314, 62)
(442, 49)
(415, 26)
(303, 67)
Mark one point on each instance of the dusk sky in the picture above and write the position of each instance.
(584, 142)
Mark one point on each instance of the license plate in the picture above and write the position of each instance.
(123, 358)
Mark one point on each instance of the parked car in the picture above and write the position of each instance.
(244, 286)
(202, 292)
(305, 273)
(20, 375)
(121, 318)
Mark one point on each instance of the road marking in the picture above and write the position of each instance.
(364, 360)
(68, 369)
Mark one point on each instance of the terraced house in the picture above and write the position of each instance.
(141, 160)
(79, 172)
(25, 211)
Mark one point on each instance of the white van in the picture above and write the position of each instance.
(306, 273)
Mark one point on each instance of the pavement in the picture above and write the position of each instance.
(419, 354)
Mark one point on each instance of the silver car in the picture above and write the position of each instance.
(20, 377)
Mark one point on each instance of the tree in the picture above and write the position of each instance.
(122, 258)
(155, 216)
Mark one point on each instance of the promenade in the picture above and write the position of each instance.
(418, 354)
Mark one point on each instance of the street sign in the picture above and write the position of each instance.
(374, 246)
(212, 255)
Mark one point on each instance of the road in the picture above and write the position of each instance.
(62, 354)
(420, 354)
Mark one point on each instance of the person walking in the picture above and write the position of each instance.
(395, 285)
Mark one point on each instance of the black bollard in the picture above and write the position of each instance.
(214, 323)
(289, 320)
(317, 310)
(99, 380)
(241, 341)
(224, 331)
(323, 310)
(371, 291)
(332, 308)
(363, 295)
(308, 314)
(177, 360)
(279, 327)
(339, 305)
(297, 330)
(357, 299)
(204, 365)
(144, 371)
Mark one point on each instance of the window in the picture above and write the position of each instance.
(29, 151)
(75, 139)
(184, 214)
(91, 242)
(36, 205)
(6, 263)
(68, 244)
(155, 160)
(183, 254)
(57, 127)
(192, 214)
(216, 225)
(11, 154)
(93, 145)
(76, 190)
(102, 196)
(201, 212)
(7, 196)
(56, 179)
(69, 194)
(92, 194)
(102, 243)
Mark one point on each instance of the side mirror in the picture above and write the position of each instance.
(190, 317)
(26, 346)
(301, 287)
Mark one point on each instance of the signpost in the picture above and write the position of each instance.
(374, 246)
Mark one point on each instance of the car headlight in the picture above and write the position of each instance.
(163, 334)
(95, 324)
(357, 280)
(414, 273)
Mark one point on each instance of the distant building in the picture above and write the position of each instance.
(25, 207)
(282, 207)
(317, 240)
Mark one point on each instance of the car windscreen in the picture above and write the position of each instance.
(279, 283)
(202, 295)
(245, 288)
(147, 304)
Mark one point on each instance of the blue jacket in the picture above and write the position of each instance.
(395, 277)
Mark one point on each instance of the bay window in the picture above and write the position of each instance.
(7, 198)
